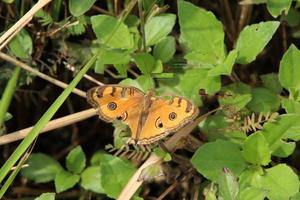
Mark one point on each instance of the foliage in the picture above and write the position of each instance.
(180, 51)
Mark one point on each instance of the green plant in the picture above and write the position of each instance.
(183, 51)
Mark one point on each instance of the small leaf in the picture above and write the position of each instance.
(78, 8)
(150, 172)
(263, 100)
(158, 27)
(256, 149)
(146, 82)
(91, 179)
(165, 49)
(46, 196)
(145, 62)
(42, 168)
(212, 157)
(281, 182)
(253, 39)
(291, 106)
(109, 28)
(276, 7)
(21, 45)
(75, 160)
(271, 82)
(228, 185)
(201, 33)
(289, 69)
(225, 67)
(65, 180)
(252, 193)
(114, 175)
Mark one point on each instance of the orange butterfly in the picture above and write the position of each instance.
(150, 118)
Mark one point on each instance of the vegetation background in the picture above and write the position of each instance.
(241, 57)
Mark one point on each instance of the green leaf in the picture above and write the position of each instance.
(78, 8)
(252, 193)
(99, 67)
(276, 7)
(158, 27)
(291, 106)
(251, 177)
(271, 82)
(263, 100)
(109, 28)
(281, 182)
(289, 69)
(195, 79)
(65, 180)
(256, 149)
(237, 101)
(115, 56)
(145, 62)
(42, 168)
(165, 49)
(75, 160)
(114, 175)
(146, 81)
(131, 82)
(228, 185)
(91, 179)
(253, 39)
(293, 18)
(274, 132)
(212, 157)
(150, 172)
(121, 68)
(21, 45)
(225, 67)
(46, 196)
(201, 33)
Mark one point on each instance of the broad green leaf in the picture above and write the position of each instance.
(225, 67)
(46, 196)
(146, 81)
(65, 180)
(251, 177)
(114, 175)
(158, 68)
(99, 67)
(91, 179)
(237, 137)
(263, 100)
(228, 185)
(145, 62)
(212, 157)
(214, 127)
(236, 101)
(75, 160)
(78, 8)
(100, 157)
(296, 196)
(165, 49)
(116, 32)
(195, 79)
(276, 7)
(289, 69)
(158, 27)
(115, 56)
(238, 87)
(42, 168)
(271, 82)
(253, 39)
(256, 149)
(281, 182)
(274, 132)
(284, 149)
(252, 193)
(201, 33)
(21, 45)
(291, 106)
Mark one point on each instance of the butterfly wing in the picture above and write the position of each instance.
(117, 102)
(164, 117)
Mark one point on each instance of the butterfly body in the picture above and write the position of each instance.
(150, 118)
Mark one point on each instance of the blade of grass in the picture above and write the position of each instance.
(8, 93)
(43, 121)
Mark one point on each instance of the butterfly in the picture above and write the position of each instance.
(149, 117)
